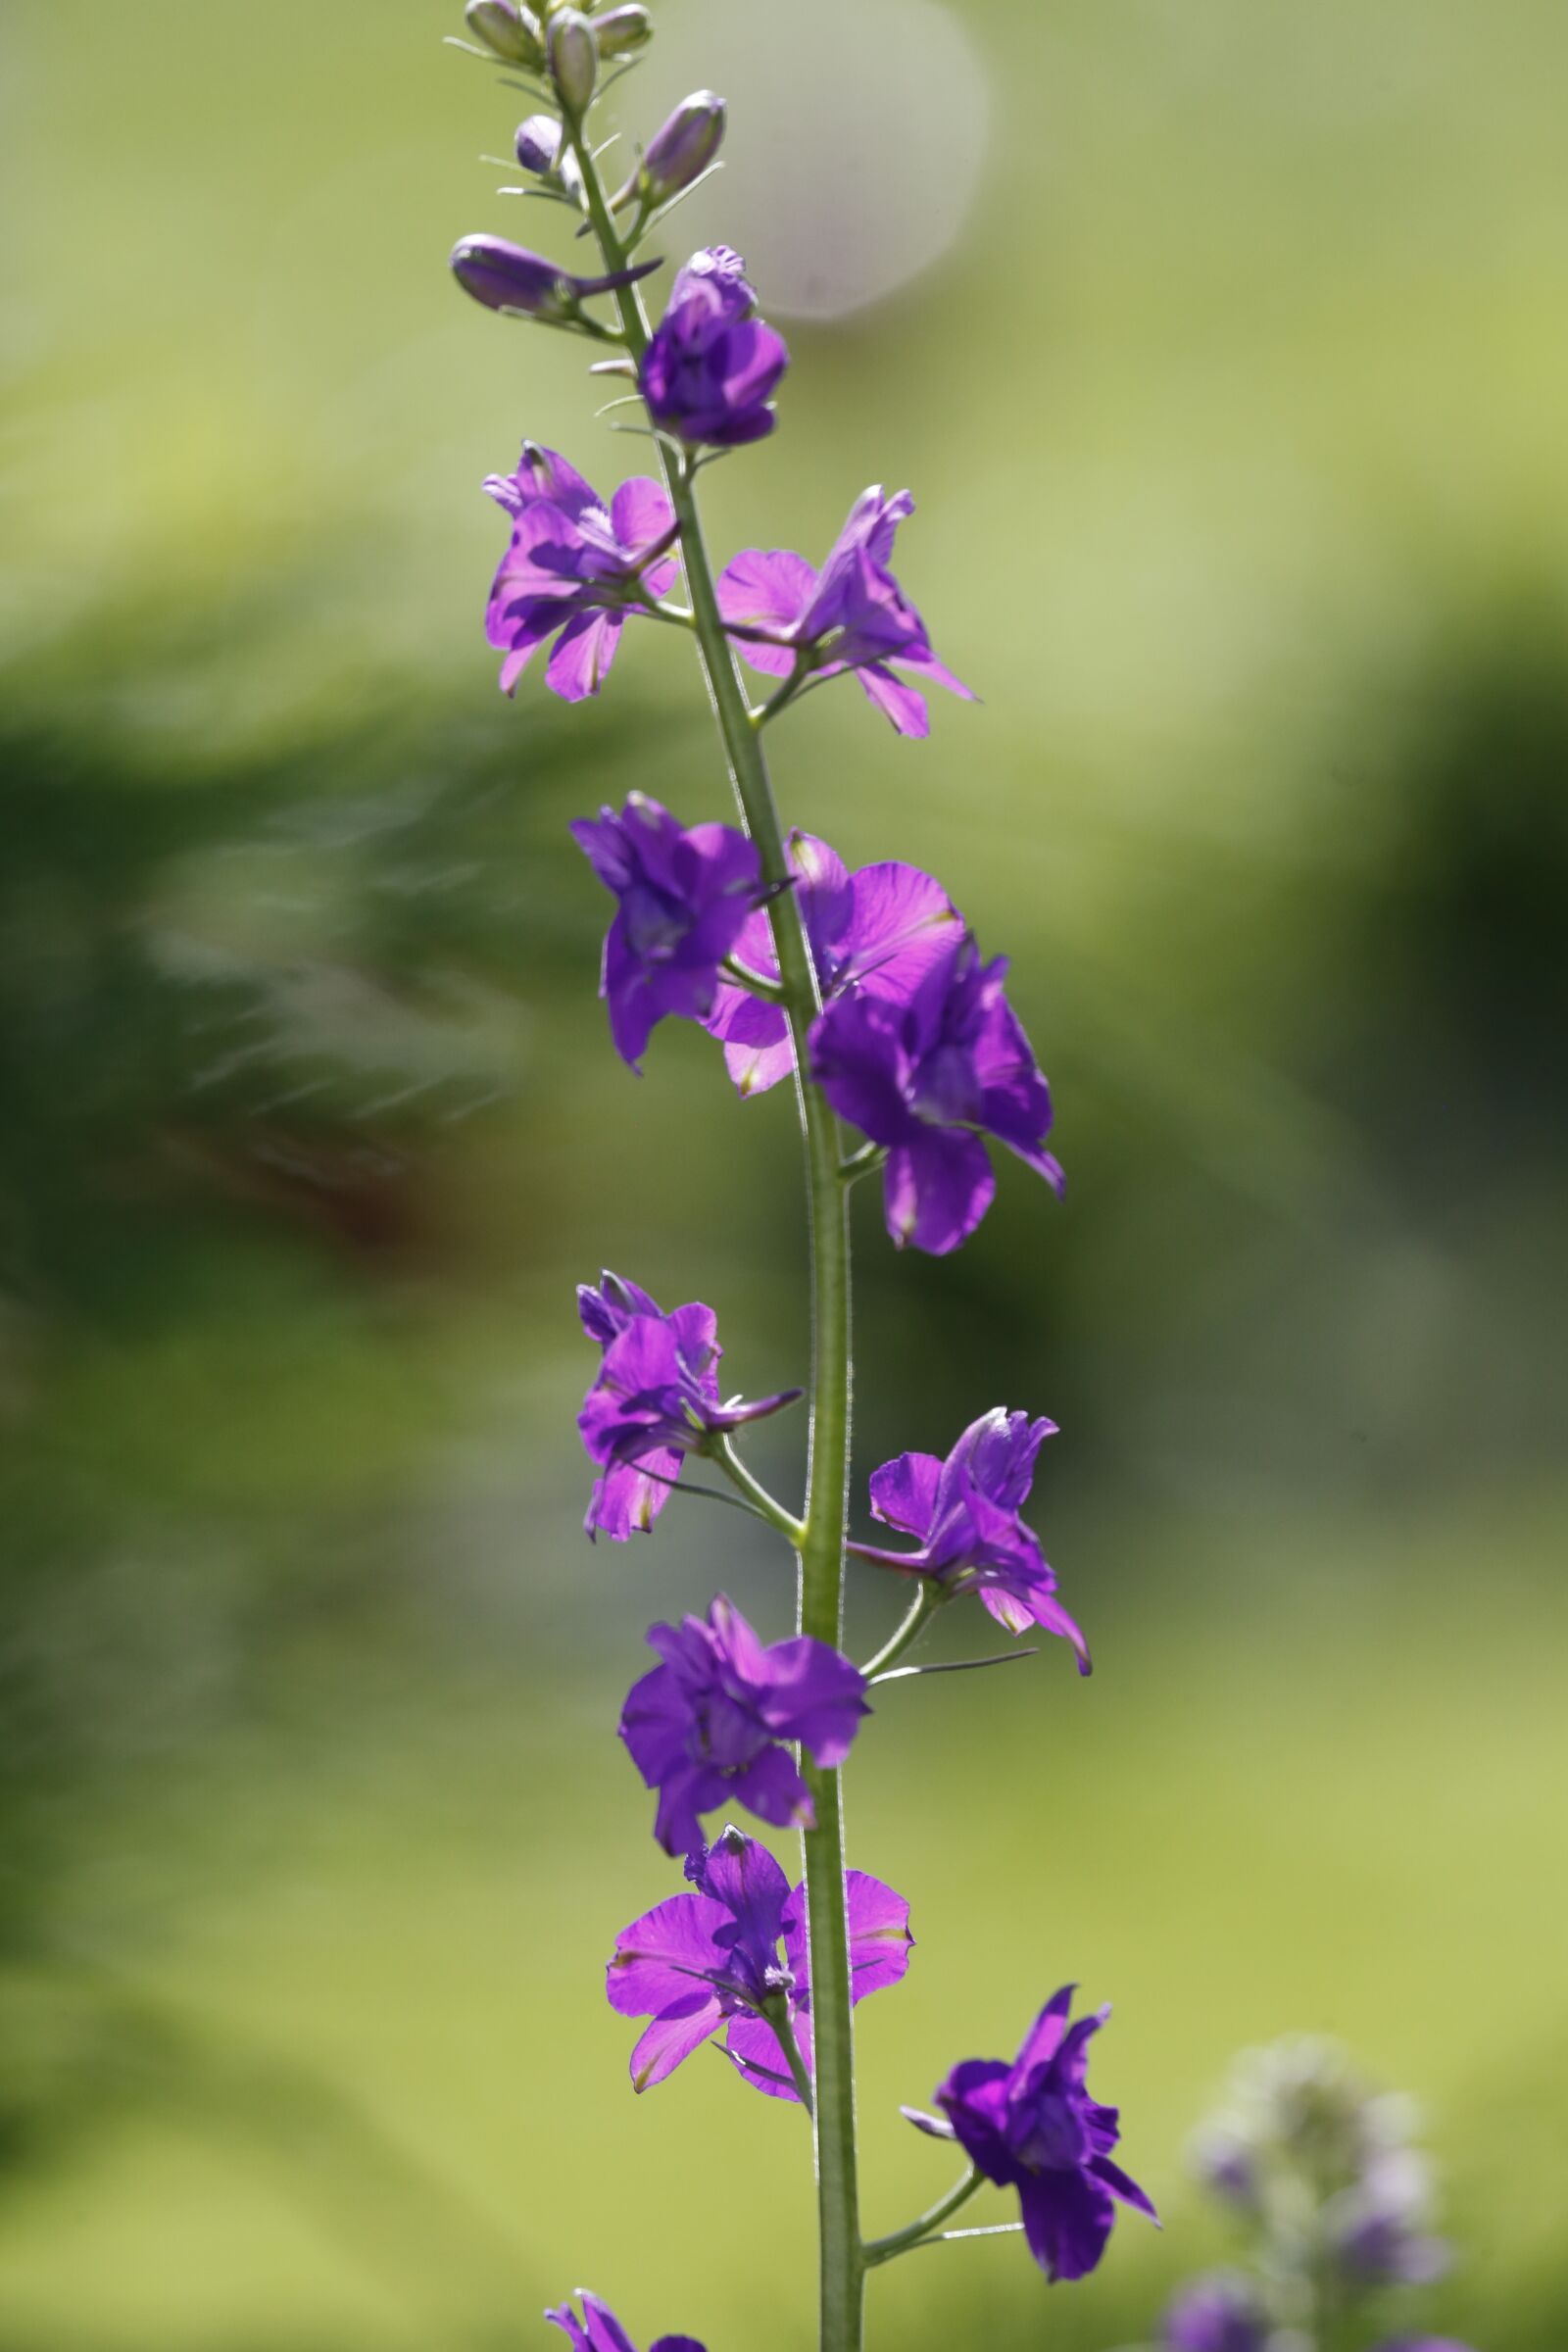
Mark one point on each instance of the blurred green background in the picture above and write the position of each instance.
(1223, 347)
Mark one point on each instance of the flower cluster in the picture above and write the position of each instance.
(868, 990)
(1338, 2201)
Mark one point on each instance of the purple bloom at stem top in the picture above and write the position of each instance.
(683, 896)
(574, 565)
(599, 2329)
(852, 615)
(709, 1726)
(927, 1080)
(1220, 2313)
(963, 1513)
(654, 1400)
(712, 364)
(700, 1962)
(1033, 2126)
(879, 930)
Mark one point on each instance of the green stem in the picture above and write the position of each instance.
(904, 2241)
(822, 1550)
(928, 1599)
(777, 2014)
(756, 1495)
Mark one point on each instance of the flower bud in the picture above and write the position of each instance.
(539, 145)
(680, 150)
(509, 278)
(509, 31)
(622, 30)
(573, 59)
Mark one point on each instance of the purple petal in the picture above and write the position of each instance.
(628, 1496)
(880, 1942)
(1121, 2184)
(745, 1879)
(936, 1189)
(584, 654)
(1067, 2220)
(814, 1695)
(934, 2126)
(765, 589)
(903, 1493)
(900, 924)
(772, 1788)
(1045, 2036)
(640, 516)
(671, 2039)
(857, 1056)
(668, 1956)
(605, 2332)
(755, 2048)
(895, 700)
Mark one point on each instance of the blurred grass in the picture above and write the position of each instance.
(1235, 421)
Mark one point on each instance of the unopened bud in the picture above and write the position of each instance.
(539, 145)
(509, 31)
(573, 59)
(621, 31)
(679, 151)
(509, 278)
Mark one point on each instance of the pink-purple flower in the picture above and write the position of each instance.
(709, 1726)
(711, 365)
(1218, 2313)
(879, 930)
(682, 898)
(964, 1514)
(654, 1400)
(599, 2329)
(577, 566)
(725, 1956)
(927, 1079)
(1033, 2126)
(852, 615)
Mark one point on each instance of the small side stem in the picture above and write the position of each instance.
(928, 1599)
(758, 1497)
(777, 2014)
(904, 2241)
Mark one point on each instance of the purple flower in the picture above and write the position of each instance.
(708, 1960)
(684, 897)
(853, 614)
(509, 278)
(1379, 2229)
(1033, 2126)
(599, 2329)
(879, 931)
(654, 1400)
(963, 1513)
(711, 365)
(926, 1080)
(1218, 2314)
(575, 565)
(707, 1727)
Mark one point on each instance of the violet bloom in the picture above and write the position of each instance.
(707, 1727)
(853, 614)
(575, 565)
(963, 1513)
(712, 364)
(1218, 2314)
(1033, 2126)
(926, 1080)
(683, 898)
(654, 1400)
(879, 930)
(599, 2329)
(703, 1962)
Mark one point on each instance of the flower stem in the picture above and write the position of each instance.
(821, 1609)
(904, 2241)
(928, 1599)
(758, 1497)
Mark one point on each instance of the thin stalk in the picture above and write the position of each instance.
(928, 1599)
(904, 2241)
(758, 1497)
(778, 2016)
(820, 1608)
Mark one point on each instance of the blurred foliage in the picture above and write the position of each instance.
(1235, 418)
